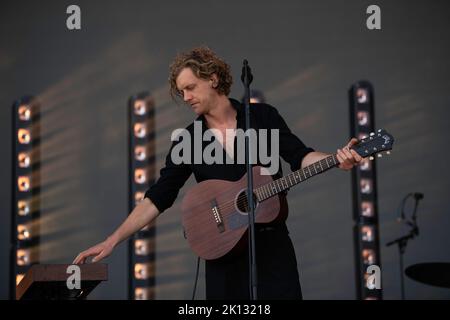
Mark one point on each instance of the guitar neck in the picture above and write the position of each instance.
(273, 188)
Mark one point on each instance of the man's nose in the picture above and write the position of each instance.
(187, 97)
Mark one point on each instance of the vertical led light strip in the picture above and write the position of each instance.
(364, 185)
(25, 201)
(141, 175)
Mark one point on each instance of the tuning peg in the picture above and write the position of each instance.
(371, 158)
(372, 134)
(379, 155)
(388, 152)
(379, 130)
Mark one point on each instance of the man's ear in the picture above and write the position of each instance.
(214, 80)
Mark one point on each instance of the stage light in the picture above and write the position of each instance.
(362, 135)
(362, 95)
(140, 107)
(367, 209)
(23, 183)
(23, 232)
(23, 208)
(366, 284)
(140, 153)
(24, 160)
(142, 271)
(24, 136)
(140, 130)
(23, 257)
(138, 197)
(365, 164)
(143, 293)
(142, 247)
(24, 112)
(19, 278)
(25, 197)
(140, 176)
(363, 118)
(367, 233)
(256, 96)
(368, 256)
(366, 186)
(141, 172)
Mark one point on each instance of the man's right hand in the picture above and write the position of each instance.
(144, 213)
(99, 251)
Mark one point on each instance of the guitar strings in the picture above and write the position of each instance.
(230, 204)
(257, 191)
(243, 201)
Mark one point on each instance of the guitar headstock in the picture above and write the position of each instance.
(376, 142)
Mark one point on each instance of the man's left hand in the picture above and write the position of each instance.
(348, 158)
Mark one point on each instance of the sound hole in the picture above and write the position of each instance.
(242, 203)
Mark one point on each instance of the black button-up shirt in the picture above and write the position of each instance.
(262, 116)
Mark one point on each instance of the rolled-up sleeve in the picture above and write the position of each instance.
(172, 178)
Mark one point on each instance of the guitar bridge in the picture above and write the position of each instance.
(217, 216)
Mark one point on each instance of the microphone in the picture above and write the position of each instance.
(246, 75)
(418, 195)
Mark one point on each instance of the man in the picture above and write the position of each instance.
(203, 81)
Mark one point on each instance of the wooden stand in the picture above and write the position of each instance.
(49, 282)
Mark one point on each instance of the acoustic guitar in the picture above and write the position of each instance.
(215, 212)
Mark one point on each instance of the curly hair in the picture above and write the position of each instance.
(204, 63)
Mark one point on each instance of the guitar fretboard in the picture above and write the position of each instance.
(269, 190)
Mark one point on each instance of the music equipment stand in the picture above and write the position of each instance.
(49, 282)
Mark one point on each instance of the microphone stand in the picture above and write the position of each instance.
(403, 241)
(247, 78)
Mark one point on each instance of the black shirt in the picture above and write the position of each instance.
(262, 116)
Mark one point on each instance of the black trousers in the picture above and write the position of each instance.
(278, 278)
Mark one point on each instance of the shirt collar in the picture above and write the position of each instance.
(239, 107)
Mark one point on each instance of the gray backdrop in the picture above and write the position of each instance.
(304, 56)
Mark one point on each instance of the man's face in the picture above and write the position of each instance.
(198, 93)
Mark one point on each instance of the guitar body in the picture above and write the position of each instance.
(215, 217)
